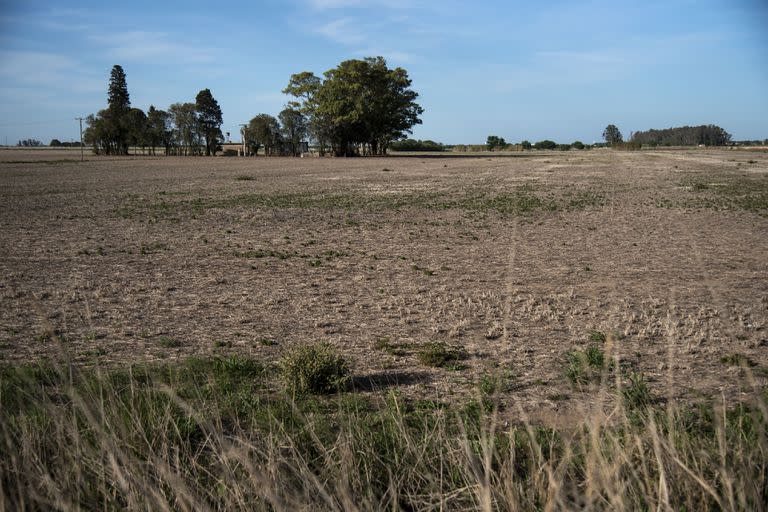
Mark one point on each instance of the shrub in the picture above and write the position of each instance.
(577, 145)
(315, 368)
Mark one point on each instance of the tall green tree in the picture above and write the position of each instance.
(209, 116)
(493, 142)
(263, 130)
(118, 98)
(187, 133)
(137, 129)
(294, 128)
(360, 106)
(118, 108)
(159, 132)
(304, 87)
(612, 135)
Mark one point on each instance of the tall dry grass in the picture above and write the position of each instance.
(218, 434)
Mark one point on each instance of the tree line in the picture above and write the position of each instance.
(29, 143)
(185, 128)
(708, 135)
(358, 108)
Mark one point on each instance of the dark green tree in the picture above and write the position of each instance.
(117, 115)
(136, 124)
(545, 144)
(294, 127)
(209, 117)
(118, 98)
(263, 130)
(494, 142)
(187, 133)
(612, 135)
(159, 132)
(361, 106)
(526, 145)
(304, 87)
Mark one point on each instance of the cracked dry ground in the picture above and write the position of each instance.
(515, 259)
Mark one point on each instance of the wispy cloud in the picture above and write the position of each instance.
(35, 68)
(343, 30)
(559, 68)
(140, 45)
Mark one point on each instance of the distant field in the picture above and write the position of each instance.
(516, 261)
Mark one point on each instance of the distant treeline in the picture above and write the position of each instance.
(56, 143)
(29, 143)
(708, 135)
(417, 145)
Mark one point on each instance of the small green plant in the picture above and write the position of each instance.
(636, 393)
(386, 345)
(597, 336)
(439, 355)
(595, 357)
(266, 342)
(315, 368)
(737, 360)
(584, 366)
(500, 381)
(244, 177)
(168, 342)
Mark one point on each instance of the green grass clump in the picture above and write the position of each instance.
(585, 366)
(315, 369)
(440, 355)
(736, 360)
(636, 393)
(597, 336)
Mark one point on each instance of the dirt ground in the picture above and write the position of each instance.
(515, 259)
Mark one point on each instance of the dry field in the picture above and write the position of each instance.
(660, 258)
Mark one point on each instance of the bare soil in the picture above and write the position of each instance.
(515, 259)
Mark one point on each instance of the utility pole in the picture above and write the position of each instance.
(82, 156)
(242, 135)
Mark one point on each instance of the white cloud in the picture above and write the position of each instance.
(140, 45)
(344, 30)
(34, 67)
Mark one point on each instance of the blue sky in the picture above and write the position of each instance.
(520, 70)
